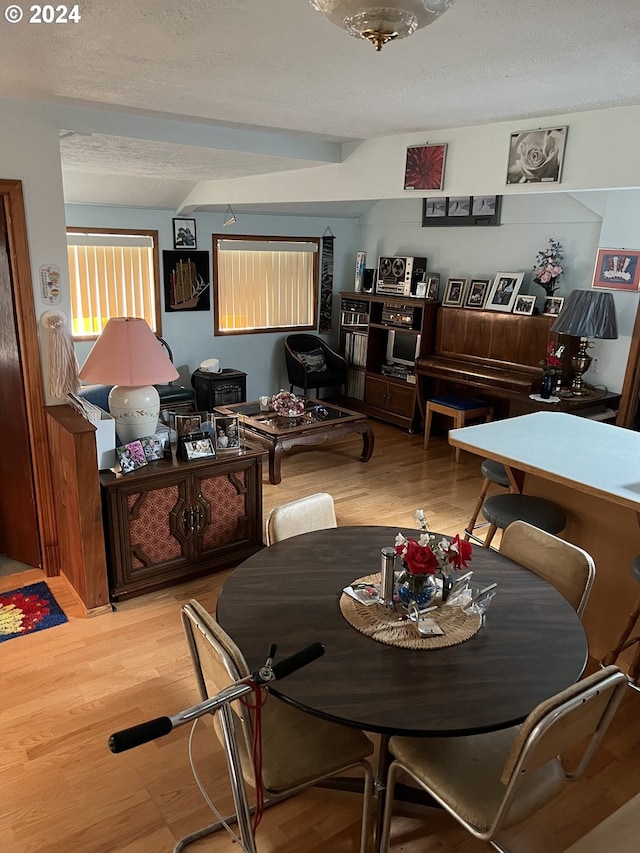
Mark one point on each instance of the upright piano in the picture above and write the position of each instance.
(487, 354)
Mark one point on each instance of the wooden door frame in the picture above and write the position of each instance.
(27, 332)
(631, 385)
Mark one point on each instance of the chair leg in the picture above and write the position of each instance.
(427, 428)
(458, 423)
(383, 846)
(490, 534)
(622, 644)
(476, 510)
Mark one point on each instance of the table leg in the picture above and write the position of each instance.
(367, 443)
(275, 462)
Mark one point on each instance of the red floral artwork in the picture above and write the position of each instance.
(425, 167)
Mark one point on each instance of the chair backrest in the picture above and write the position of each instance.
(218, 662)
(314, 512)
(565, 566)
(578, 715)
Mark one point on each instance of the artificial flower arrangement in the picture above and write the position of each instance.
(551, 364)
(547, 268)
(287, 405)
(427, 556)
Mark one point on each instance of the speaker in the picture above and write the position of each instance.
(368, 281)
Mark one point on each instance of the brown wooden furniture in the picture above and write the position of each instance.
(174, 520)
(365, 322)
(288, 594)
(218, 389)
(494, 353)
(277, 435)
(460, 409)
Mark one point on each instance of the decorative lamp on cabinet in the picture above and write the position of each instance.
(128, 356)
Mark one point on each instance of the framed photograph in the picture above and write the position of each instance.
(503, 292)
(435, 206)
(424, 168)
(617, 269)
(184, 234)
(454, 292)
(552, 306)
(524, 305)
(477, 293)
(536, 156)
(198, 448)
(461, 210)
(432, 280)
(186, 280)
(227, 433)
(131, 456)
(154, 446)
(421, 289)
(187, 424)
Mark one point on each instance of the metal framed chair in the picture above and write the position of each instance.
(626, 640)
(492, 781)
(313, 512)
(570, 569)
(298, 749)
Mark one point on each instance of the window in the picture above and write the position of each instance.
(264, 284)
(112, 273)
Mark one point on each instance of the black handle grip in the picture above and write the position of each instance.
(297, 660)
(142, 733)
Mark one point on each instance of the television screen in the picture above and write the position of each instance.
(402, 347)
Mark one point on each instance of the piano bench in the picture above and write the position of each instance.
(461, 409)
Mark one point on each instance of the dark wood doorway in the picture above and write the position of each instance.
(19, 537)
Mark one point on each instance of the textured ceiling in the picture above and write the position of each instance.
(279, 64)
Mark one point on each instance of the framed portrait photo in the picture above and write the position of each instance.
(477, 293)
(432, 280)
(131, 456)
(536, 156)
(503, 291)
(424, 168)
(184, 234)
(454, 292)
(227, 434)
(617, 269)
(198, 448)
(524, 305)
(552, 306)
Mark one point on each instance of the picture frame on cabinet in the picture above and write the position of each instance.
(131, 456)
(432, 280)
(454, 292)
(477, 293)
(553, 306)
(198, 448)
(503, 292)
(524, 304)
(227, 434)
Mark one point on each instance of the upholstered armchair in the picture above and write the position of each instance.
(311, 363)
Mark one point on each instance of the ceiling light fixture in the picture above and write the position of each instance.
(229, 216)
(380, 21)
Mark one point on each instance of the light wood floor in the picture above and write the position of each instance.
(64, 690)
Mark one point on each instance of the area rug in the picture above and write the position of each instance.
(28, 609)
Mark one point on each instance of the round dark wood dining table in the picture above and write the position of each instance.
(531, 645)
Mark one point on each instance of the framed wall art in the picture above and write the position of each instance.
(186, 280)
(524, 304)
(477, 293)
(503, 292)
(454, 292)
(439, 211)
(536, 156)
(617, 269)
(552, 306)
(184, 234)
(424, 168)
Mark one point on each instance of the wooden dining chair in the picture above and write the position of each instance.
(492, 781)
(313, 512)
(570, 569)
(298, 750)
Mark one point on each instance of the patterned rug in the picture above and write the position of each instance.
(28, 609)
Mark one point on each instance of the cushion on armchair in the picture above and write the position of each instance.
(314, 360)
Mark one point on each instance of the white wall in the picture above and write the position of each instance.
(580, 221)
(190, 334)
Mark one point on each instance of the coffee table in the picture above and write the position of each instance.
(320, 422)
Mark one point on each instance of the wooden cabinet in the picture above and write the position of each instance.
(174, 520)
(367, 326)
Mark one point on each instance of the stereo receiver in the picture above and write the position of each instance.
(397, 315)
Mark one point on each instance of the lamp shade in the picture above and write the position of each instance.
(127, 353)
(588, 314)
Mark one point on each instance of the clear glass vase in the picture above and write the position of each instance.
(416, 589)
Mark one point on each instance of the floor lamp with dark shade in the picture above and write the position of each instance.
(586, 314)
(128, 356)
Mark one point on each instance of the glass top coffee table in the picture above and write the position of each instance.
(319, 423)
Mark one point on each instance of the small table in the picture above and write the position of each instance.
(320, 422)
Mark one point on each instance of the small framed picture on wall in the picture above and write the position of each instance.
(184, 234)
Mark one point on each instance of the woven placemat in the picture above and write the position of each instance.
(386, 626)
